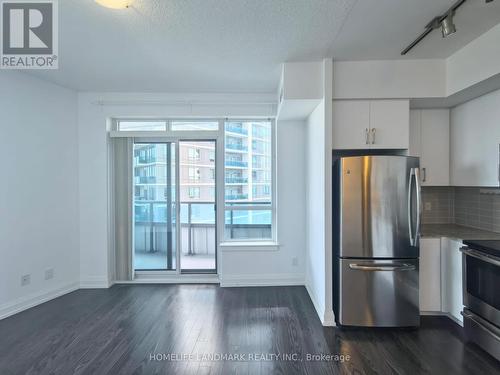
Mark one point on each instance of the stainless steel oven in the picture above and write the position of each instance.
(481, 297)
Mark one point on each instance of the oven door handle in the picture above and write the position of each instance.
(481, 256)
(395, 267)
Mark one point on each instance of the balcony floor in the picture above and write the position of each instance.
(158, 261)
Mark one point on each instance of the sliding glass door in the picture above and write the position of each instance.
(170, 180)
(197, 204)
(154, 206)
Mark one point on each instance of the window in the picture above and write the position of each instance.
(194, 154)
(142, 125)
(194, 125)
(249, 203)
(194, 174)
(194, 192)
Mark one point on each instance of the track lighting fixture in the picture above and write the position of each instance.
(443, 22)
(447, 25)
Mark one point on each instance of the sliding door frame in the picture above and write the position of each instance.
(202, 136)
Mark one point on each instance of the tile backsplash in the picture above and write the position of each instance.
(469, 206)
(437, 205)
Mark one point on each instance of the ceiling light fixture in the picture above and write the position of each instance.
(447, 25)
(444, 21)
(115, 4)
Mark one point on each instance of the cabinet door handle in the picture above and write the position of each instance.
(424, 174)
(374, 131)
(367, 137)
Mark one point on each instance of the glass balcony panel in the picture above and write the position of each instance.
(243, 225)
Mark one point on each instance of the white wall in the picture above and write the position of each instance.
(236, 266)
(271, 267)
(319, 202)
(476, 62)
(389, 79)
(39, 191)
(315, 214)
(475, 141)
(475, 66)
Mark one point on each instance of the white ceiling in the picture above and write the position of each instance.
(190, 45)
(381, 29)
(238, 45)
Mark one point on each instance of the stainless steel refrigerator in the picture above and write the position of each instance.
(376, 225)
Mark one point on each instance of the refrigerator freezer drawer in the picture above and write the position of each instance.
(378, 293)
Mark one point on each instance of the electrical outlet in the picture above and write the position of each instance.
(295, 261)
(25, 280)
(49, 274)
(428, 206)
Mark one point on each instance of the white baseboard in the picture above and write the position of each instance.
(227, 281)
(95, 282)
(329, 320)
(319, 309)
(35, 299)
(326, 317)
(162, 278)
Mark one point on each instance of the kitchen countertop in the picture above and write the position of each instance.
(458, 232)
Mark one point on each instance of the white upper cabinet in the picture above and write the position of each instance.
(415, 133)
(475, 142)
(435, 144)
(389, 124)
(430, 140)
(370, 124)
(351, 120)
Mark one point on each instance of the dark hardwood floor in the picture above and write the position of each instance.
(120, 330)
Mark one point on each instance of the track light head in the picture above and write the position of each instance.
(447, 25)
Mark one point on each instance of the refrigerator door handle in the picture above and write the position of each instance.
(419, 206)
(414, 176)
(390, 267)
(410, 229)
(414, 232)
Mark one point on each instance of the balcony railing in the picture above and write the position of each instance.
(234, 197)
(148, 180)
(152, 233)
(197, 227)
(236, 146)
(236, 129)
(146, 159)
(234, 163)
(236, 180)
